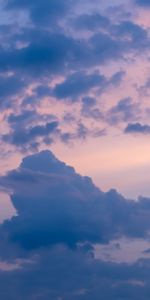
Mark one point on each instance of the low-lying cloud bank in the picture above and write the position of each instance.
(61, 216)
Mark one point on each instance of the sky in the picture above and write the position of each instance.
(75, 79)
(74, 149)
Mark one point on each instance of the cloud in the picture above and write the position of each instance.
(27, 138)
(50, 276)
(63, 191)
(125, 110)
(50, 243)
(77, 84)
(145, 3)
(132, 34)
(39, 56)
(64, 274)
(91, 22)
(31, 60)
(89, 108)
(43, 12)
(10, 86)
(27, 118)
(57, 206)
(38, 51)
(82, 83)
(137, 128)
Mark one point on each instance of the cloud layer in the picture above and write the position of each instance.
(56, 55)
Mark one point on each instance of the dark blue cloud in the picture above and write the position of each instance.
(27, 119)
(42, 56)
(76, 276)
(22, 118)
(34, 57)
(117, 78)
(136, 35)
(43, 12)
(77, 84)
(57, 206)
(90, 110)
(80, 83)
(59, 200)
(124, 111)
(91, 22)
(137, 128)
(40, 53)
(89, 101)
(143, 2)
(30, 54)
(60, 215)
(27, 138)
(10, 86)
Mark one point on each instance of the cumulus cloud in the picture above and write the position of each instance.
(55, 205)
(60, 216)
